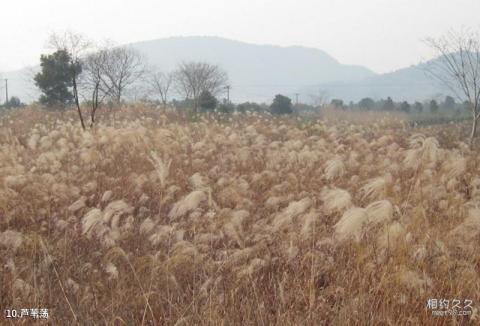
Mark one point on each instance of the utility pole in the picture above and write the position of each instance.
(228, 92)
(296, 98)
(6, 92)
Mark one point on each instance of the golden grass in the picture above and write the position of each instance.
(156, 217)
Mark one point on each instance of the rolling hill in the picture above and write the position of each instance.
(258, 72)
(407, 84)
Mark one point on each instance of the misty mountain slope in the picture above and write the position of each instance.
(406, 84)
(257, 72)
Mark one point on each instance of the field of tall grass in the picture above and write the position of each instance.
(157, 218)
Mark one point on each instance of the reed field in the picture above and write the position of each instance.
(157, 217)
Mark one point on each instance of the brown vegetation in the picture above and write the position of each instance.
(153, 218)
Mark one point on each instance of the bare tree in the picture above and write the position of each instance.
(123, 67)
(76, 45)
(160, 84)
(319, 100)
(182, 84)
(192, 78)
(458, 68)
(93, 81)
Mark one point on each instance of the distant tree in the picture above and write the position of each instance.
(449, 103)
(226, 107)
(433, 106)
(281, 105)
(302, 107)
(388, 105)
(337, 103)
(319, 100)
(251, 106)
(14, 102)
(75, 45)
(258, 107)
(182, 104)
(206, 101)
(55, 81)
(418, 107)
(94, 80)
(405, 107)
(458, 68)
(193, 78)
(242, 108)
(160, 84)
(123, 67)
(109, 72)
(366, 104)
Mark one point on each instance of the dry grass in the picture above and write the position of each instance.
(155, 218)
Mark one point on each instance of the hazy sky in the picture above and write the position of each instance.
(382, 35)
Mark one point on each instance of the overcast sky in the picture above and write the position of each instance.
(382, 35)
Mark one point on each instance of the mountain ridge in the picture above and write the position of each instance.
(259, 71)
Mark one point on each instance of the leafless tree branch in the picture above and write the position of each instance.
(458, 68)
(160, 84)
(192, 78)
(76, 45)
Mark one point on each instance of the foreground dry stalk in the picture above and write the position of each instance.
(152, 218)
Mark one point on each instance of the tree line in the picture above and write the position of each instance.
(106, 73)
(433, 106)
(80, 71)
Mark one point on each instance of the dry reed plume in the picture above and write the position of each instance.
(152, 218)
